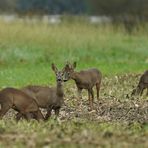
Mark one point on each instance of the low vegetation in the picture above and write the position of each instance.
(26, 53)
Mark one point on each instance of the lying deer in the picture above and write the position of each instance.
(143, 84)
(19, 101)
(50, 98)
(85, 79)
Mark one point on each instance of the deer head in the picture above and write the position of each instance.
(59, 74)
(69, 69)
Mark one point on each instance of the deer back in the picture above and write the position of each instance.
(18, 100)
(88, 78)
(44, 96)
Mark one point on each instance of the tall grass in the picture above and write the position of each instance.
(34, 46)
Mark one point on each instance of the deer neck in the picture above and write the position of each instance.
(60, 89)
(75, 76)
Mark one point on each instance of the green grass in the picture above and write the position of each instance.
(27, 49)
(26, 53)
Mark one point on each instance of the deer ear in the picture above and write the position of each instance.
(66, 67)
(54, 68)
(74, 65)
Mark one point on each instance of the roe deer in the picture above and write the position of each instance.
(143, 84)
(85, 79)
(19, 101)
(50, 98)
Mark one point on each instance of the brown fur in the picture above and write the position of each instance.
(19, 101)
(143, 84)
(85, 79)
(50, 98)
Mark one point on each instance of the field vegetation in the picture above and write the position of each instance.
(27, 50)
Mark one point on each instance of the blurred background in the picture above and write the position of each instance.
(128, 12)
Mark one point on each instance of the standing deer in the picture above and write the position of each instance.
(50, 98)
(85, 79)
(143, 84)
(19, 101)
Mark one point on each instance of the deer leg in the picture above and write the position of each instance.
(92, 98)
(18, 116)
(89, 98)
(48, 114)
(57, 110)
(79, 96)
(38, 115)
(133, 92)
(141, 91)
(147, 92)
(28, 116)
(4, 109)
(98, 90)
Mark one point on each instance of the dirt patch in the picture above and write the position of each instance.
(110, 110)
(115, 102)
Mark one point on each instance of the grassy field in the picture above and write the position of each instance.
(26, 53)
(28, 49)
